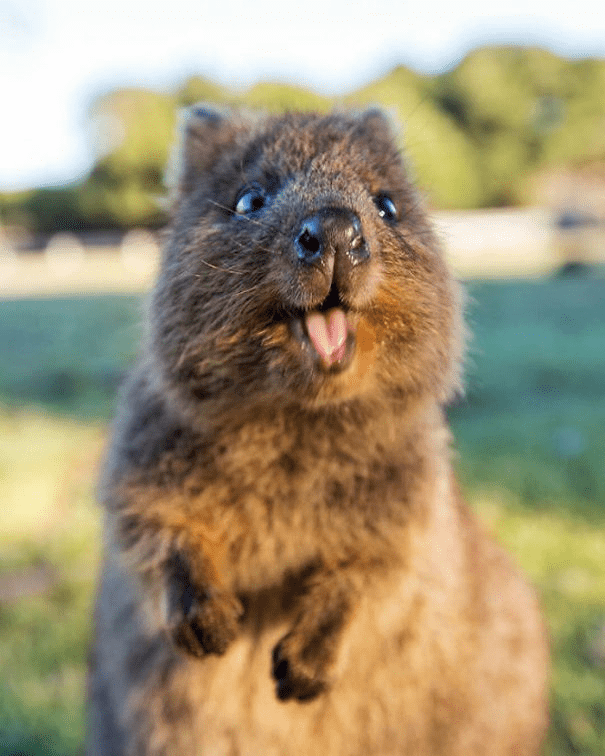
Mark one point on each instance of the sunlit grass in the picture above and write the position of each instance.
(48, 559)
(565, 560)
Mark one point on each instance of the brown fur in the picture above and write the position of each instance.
(289, 567)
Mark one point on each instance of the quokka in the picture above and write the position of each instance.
(289, 566)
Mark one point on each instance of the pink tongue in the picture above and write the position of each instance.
(328, 334)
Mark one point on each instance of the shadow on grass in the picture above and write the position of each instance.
(533, 419)
(22, 743)
(70, 355)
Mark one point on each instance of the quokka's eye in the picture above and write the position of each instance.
(250, 200)
(386, 207)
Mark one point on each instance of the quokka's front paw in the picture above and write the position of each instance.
(205, 624)
(300, 668)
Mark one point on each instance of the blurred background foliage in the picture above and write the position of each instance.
(478, 135)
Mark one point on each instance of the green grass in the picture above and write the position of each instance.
(530, 440)
(533, 421)
(48, 556)
(67, 355)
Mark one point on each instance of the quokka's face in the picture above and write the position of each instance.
(300, 267)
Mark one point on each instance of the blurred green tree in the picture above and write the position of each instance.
(507, 99)
(134, 128)
(581, 129)
(441, 155)
(275, 97)
(198, 89)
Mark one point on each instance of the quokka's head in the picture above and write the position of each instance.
(300, 267)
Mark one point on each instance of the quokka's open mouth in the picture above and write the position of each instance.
(328, 334)
(329, 330)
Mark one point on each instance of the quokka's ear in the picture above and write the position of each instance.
(204, 131)
(375, 123)
(380, 134)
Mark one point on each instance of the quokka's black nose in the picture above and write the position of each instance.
(331, 231)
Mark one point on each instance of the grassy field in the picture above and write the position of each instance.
(530, 439)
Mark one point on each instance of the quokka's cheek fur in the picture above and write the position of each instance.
(289, 565)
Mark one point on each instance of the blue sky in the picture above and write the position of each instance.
(56, 55)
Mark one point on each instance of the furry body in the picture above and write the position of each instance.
(289, 566)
